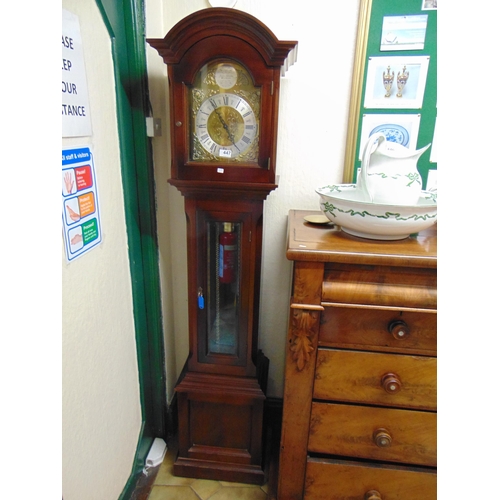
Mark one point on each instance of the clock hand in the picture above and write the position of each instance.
(226, 128)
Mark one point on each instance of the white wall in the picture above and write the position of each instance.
(314, 104)
(100, 392)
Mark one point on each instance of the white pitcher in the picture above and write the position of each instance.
(389, 172)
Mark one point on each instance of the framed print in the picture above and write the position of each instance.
(429, 4)
(399, 128)
(403, 33)
(396, 82)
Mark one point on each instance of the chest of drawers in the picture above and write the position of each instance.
(360, 398)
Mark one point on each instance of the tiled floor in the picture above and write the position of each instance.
(169, 487)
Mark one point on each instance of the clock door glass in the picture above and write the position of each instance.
(223, 298)
(225, 115)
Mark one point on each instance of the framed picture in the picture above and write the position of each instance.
(396, 82)
(403, 33)
(399, 128)
(429, 4)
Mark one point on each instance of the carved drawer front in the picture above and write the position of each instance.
(393, 331)
(369, 377)
(338, 480)
(384, 434)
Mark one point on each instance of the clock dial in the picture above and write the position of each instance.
(224, 114)
(226, 125)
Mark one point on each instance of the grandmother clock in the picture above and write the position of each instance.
(224, 71)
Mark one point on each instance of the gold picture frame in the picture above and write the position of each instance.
(365, 9)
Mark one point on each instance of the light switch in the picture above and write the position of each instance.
(153, 126)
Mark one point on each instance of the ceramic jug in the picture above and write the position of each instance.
(389, 172)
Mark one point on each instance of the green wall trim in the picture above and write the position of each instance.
(125, 22)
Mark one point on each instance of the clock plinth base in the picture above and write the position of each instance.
(219, 471)
(220, 428)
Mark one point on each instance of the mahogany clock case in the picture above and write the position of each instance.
(223, 157)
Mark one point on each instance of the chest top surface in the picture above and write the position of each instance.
(328, 243)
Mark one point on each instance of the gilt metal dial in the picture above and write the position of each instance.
(226, 125)
(225, 114)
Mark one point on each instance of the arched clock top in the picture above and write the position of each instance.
(212, 22)
(222, 47)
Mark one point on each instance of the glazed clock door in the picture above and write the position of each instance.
(223, 114)
(224, 292)
(224, 69)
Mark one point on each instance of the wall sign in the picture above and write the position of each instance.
(80, 210)
(75, 99)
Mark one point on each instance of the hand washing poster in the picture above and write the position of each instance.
(80, 210)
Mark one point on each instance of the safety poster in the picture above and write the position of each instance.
(80, 210)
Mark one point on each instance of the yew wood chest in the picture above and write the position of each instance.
(360, 398)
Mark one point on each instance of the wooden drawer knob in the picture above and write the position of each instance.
(382, 438)
(373, 495)
(391, 383)
(399, 329)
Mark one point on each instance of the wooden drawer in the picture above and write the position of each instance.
(376, 378)
(338, 480)
(374, 329)
(374, 433)
(380, 286)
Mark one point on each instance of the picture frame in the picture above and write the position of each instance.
(364, 16)
(409, 76)
(403, 32)
(400, 128)
(429, 4)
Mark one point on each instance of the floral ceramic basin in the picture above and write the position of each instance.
(346, 206)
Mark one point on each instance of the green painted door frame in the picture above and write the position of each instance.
(125, 22)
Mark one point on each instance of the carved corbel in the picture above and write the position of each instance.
(304, 327)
